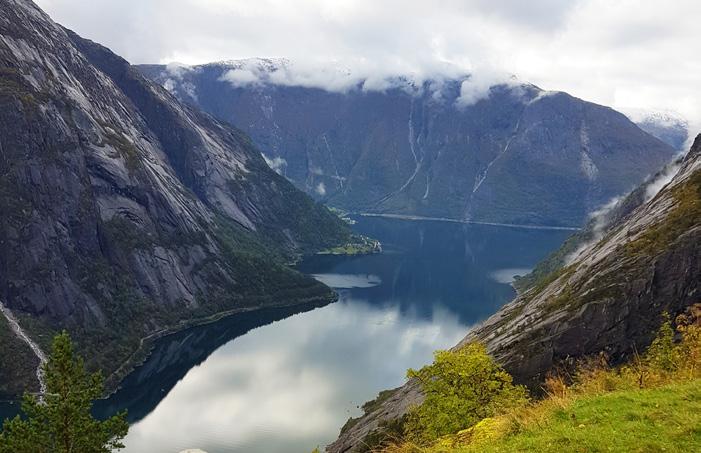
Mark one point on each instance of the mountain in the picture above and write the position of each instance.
(510, 154)
(606, 299)
(601, 222)
(126, 214)
(668, 126)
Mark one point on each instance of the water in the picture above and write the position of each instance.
(284, 381)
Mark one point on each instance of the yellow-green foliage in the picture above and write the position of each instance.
(461, 387)
(651, 404)
(662, 419)
(684, 215)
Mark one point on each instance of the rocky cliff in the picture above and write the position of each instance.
(517, 154)
(126, 213)
(608, 297)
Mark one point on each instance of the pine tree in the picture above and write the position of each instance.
(62, 422)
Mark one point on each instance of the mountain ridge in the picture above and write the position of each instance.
(446, 147)
(126, 213)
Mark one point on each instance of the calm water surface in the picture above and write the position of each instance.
(284, 381)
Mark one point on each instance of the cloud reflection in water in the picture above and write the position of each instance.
(290, 385)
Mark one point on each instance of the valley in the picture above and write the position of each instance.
(389, 241)
(431, 283)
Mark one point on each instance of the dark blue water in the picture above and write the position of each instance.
(285, 381)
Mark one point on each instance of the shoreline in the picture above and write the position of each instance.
(143, 352)
(466, 222)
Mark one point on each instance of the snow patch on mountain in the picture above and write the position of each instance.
(667, 125)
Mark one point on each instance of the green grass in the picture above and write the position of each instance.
(653, 420)
(650, 404)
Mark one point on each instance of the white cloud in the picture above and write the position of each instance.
(278, 164)
(321, 189)
(661, 180)
(601, 220)
(240, 77)
(260, 384)
(334, 75)
(627, 54)
(176, 72)
(477, 87)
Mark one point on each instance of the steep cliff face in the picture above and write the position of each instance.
(609, 298)
(125, 212)
(519, 155)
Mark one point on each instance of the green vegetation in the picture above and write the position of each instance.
(287, 210)
(343, 215)
(358, 245)
(683, 216)
(119, 230)
(21, 368)
(62, 421)
(368, 408)
(461, 387)
(13, 84)
(123, 146)
(650, 404)
(652, 420)
(547, 270)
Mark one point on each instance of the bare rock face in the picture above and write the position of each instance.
(609, 298)
(519, 155)
(125, 213)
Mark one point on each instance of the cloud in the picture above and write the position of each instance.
(241, 77)
(260, 383)
(278, 164)
(176, 71)
(662, 179)
(334, 75)
(479, 84)
(600, 220)
(626, 54)
(321, 189)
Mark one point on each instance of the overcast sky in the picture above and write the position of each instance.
(622, 53)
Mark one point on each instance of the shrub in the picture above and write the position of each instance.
(461, 387)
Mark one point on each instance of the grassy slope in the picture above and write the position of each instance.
(651, 404)
(651, 420)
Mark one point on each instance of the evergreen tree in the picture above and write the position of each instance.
(62, 422)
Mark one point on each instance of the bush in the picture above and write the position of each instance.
(461, 387)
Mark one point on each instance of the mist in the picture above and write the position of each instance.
(628, 54)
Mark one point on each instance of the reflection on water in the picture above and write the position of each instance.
(509, 275)
(348, 281)
(271, 382)
(290, 385)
